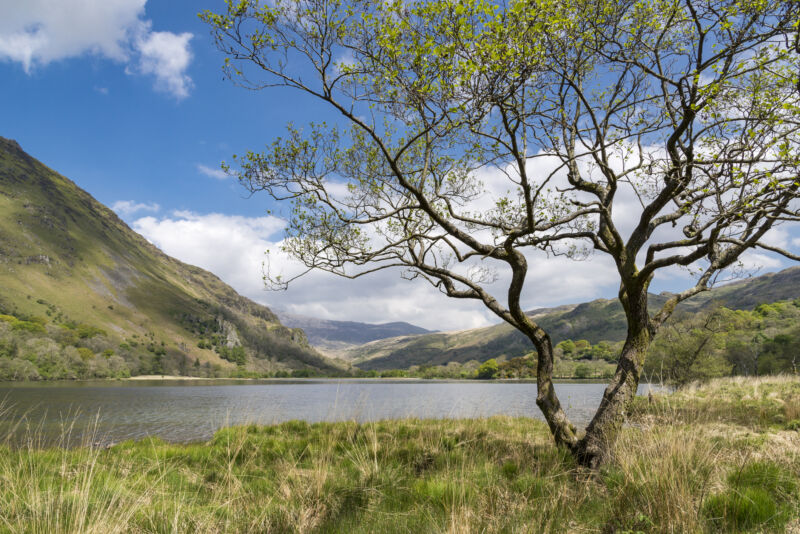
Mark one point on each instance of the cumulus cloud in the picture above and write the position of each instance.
(35, 33)
(211, 172)
(233, 248)
(125, 208)
(166, 56)
(752, 261)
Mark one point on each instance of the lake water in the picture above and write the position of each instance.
(108, 412)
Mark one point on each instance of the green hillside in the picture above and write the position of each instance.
(68, 262)
(595, 321)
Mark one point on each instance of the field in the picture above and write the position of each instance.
(722, 457)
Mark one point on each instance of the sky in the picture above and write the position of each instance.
(127, 99)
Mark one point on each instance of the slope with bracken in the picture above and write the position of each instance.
(67, 260)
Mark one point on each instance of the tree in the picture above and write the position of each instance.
(660, 134)
(583, 371)
(488, 370)
(781, 354)
(691, 349)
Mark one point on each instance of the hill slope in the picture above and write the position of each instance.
(598, 320)
(67, 259)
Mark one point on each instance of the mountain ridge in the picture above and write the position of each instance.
(331, 336)
(596, 320)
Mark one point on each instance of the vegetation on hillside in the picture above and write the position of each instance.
(67, 259)
(595, 321)
(34, 348)
(712, 342)
(720, 458)
(51, 348)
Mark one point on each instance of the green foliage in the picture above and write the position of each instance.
(488, 370)
(8, 348)
(86, 331)
(233, 354)
(720, 342)
(28, 326)
(31, 350)
(583, 371)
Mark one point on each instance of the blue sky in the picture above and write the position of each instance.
(126, 98)
(122, 133)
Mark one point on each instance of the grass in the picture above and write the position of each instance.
(668, 474)
(763, 403)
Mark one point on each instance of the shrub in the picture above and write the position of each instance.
(86, 331)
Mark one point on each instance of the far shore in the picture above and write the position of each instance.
(164, 377)
(366, 378)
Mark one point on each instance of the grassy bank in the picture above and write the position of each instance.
(680, 467)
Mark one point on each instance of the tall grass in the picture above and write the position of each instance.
(498, 474)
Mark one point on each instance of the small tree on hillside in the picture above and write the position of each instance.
(662, 134)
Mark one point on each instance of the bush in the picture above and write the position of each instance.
(86, 331)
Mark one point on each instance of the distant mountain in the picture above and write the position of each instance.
(334, 336)
(67, 259)
(598, 320)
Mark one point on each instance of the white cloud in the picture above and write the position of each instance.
(755, 261)
(125, 208)
(166, 56)
(233, 248)
(211, 172)
(35, 33)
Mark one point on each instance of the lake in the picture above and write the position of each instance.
(104, 412)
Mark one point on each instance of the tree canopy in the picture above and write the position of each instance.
(474, 135)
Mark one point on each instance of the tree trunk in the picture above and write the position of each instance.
(593, 448)
(561, 428)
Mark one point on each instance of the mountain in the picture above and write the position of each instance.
(67, 262)
(332, 337)
(598, 320)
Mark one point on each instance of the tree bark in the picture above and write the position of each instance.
(594, 447)
(561, 428)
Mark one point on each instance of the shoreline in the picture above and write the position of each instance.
(165, 377)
